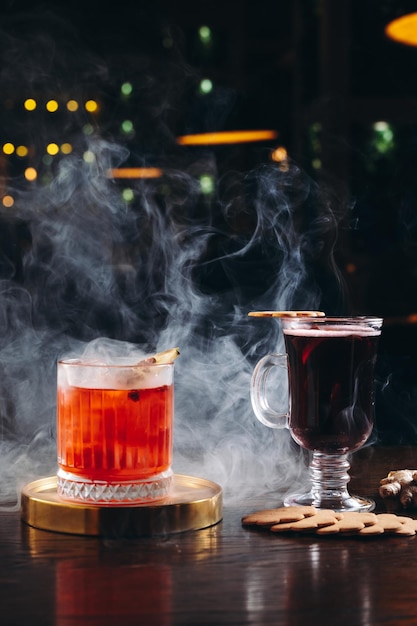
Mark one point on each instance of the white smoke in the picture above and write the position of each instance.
(174, 268)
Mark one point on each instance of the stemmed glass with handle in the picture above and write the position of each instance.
(331, 382)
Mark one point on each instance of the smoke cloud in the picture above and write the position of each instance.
(173, 267)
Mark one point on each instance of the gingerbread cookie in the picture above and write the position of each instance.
(284, 514)
(372, 530)
(347, 524)
(320, 519)
(408, 527)
(328, 522)
(391, 522)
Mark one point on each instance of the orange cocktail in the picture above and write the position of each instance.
(114, 431)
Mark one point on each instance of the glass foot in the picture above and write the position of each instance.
(329, 477)
(75, 488)
(334, 501)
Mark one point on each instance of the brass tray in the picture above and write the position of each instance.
(195, 503)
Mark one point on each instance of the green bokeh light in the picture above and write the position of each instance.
(207, 184)
(127, 127)
(206, 86)
(128, 195)
(204, 32)
(126, 89)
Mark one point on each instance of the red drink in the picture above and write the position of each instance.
(109, 434)
(331, 374)
(114, 431)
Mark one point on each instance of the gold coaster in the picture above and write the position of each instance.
(195, 503)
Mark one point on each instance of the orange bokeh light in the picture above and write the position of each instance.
(135, 172)
(403, 29)
(226, 137)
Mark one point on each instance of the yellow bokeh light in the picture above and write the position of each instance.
(7, 201)
(52, 106)
(91, 106)
(8, 148)
(30, 104)
(31, 174)
(66, 148)
(52, 149)
(72, 105)
(22, 151)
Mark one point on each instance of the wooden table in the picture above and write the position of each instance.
(225, 574)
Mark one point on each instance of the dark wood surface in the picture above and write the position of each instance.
(225, 574)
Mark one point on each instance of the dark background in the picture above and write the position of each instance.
(322, 74)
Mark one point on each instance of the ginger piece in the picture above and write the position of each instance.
(408, 496)
(392, 485)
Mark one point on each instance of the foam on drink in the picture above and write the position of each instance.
(118, 374)
(333, 331)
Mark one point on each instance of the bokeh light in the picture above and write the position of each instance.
(7, 201)
(30, 104)
(52, 106)
(72, 105)
(31, 174)
(8, 148)
(91, 106)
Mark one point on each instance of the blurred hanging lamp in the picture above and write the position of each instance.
(226, 137)
(403, 29)
(134, 172)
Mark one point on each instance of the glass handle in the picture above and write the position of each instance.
(258, 388)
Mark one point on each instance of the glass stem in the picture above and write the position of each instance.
(329, 474)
